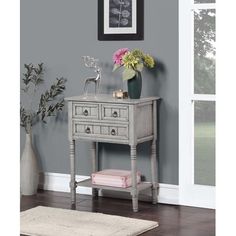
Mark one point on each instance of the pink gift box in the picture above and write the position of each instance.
(114, 178)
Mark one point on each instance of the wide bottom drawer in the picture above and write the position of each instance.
(108, 130)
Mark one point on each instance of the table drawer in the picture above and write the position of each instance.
(114, 112)
(100, 130)
(115, 131)
(85, 111)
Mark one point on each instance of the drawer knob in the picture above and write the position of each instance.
(113, 132)
(115, 114)
(85, 112)
(87, 131)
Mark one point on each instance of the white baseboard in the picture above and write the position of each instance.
(168, 193)
(60, 182)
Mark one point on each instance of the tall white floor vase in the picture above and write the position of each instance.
(29, 173)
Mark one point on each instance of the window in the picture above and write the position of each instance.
(204, 91)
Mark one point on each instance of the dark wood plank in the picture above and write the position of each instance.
(173, 220)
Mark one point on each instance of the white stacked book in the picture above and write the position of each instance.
(114, 178)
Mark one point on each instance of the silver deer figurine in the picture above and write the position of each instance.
(91, 62)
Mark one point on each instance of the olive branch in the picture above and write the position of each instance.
(49, 103)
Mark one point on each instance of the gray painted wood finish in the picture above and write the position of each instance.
(102, 118)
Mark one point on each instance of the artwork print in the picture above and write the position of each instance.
(120, 13)
(120, 19)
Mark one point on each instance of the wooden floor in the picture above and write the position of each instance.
(173, 220)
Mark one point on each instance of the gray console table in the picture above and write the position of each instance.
(122, 121)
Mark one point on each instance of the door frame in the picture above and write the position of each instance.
(190, 194)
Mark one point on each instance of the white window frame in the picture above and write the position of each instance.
(189, 193)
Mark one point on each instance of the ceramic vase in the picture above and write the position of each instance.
(135, 86)
(29, 173)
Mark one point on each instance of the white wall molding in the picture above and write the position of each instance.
(60, 182)
(168, 193)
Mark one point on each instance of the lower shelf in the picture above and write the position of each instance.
(88, 183)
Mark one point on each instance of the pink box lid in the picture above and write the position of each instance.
(115, 172)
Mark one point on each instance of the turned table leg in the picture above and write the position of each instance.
(94, 165)
(134, 193)
(154, 172)
(72, 172)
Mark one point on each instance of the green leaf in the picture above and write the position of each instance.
(128, 74)
(139, 67)
(116, 66)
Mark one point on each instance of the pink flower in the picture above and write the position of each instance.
(117, 56)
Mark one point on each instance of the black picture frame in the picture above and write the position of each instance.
(138, 35)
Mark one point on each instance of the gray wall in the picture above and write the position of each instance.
(58, 33)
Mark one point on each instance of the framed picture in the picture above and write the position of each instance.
(120, 19)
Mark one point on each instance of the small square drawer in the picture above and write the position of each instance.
(80, 128)
(85, 111)
(115, 131)
(113, 112)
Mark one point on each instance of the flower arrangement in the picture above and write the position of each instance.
(132, 61)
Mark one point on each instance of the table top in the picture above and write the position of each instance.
(109, 98)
